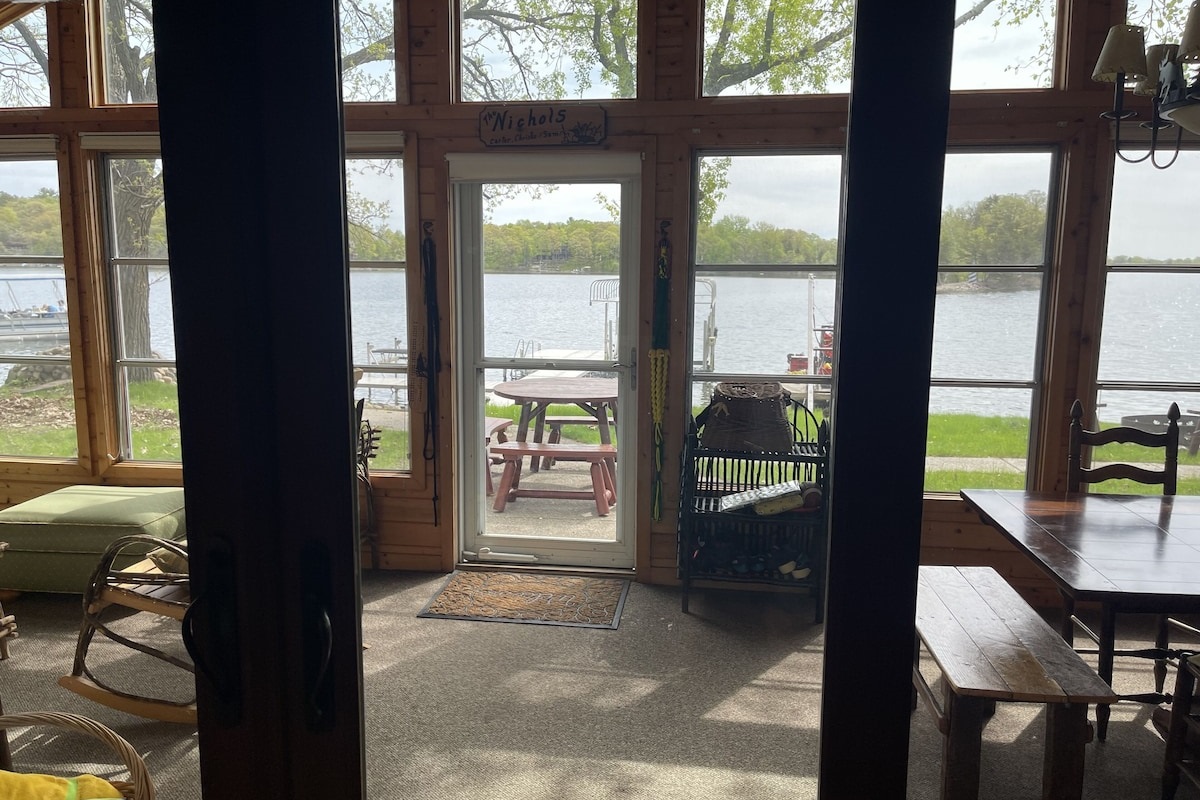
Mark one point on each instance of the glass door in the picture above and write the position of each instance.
(545, 254)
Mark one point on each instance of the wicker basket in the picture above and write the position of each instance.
(747, 418)
(139, 787)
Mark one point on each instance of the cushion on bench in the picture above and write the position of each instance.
(56, 540)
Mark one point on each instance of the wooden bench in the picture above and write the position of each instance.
(990, 647)
(554, 425)
(493, 427)
(601, 457)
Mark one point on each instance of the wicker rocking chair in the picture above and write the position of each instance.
(158, 584)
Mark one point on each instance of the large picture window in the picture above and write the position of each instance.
(991, 274)
(1150, 324)
(513, 50)
(143, 326)
(379, 303)
(765, 273)
(37, 398)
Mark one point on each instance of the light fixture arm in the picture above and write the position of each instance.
(1119, 113)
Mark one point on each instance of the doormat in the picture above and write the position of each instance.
(579, 602)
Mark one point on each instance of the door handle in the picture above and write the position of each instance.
(212, 616)
(317, 633)
(631, 366)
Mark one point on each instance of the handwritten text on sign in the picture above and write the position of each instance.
(542, 125)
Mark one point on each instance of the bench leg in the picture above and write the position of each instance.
(599, 489)
(507, 483)
(1066, 734)
(962, 746)
(610, 474)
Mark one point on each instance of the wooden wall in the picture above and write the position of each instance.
(668, 123)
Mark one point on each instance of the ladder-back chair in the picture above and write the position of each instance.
(1164, 437)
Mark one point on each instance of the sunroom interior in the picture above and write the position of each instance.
(249, 224)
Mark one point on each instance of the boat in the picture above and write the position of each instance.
(23, 320)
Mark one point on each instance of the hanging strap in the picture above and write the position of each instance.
(429, 364)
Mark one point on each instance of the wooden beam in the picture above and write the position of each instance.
(895, 155)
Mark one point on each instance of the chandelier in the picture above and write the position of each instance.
(1158, 71)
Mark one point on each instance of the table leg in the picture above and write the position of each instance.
(1104, 663)
(538, 419)
(601, 412)
(1067, 626)
(1066, 735)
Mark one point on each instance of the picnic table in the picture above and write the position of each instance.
(596, 396)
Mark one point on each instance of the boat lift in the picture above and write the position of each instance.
(607, 291)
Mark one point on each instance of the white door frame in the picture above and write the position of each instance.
(468, 172)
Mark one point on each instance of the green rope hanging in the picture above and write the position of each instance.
(659, 357)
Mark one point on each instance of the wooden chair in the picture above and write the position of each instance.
(1183, 729)
(1080, 474)
(158, 584)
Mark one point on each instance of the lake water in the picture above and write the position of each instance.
(1152, 330)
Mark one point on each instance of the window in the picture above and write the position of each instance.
(999, 45)
(991, 274)
(765, 273)
(760, 48)
(128, 54)
(1150, 328)
(24, 82)
(143, 325)
(379, 303)
(557, 50)
(368, 52)
(37, 405)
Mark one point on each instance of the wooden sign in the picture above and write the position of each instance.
(508, 126)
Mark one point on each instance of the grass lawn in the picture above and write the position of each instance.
(43, 424)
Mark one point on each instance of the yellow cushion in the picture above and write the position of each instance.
(21, 786)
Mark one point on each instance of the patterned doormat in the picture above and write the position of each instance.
(579, 602)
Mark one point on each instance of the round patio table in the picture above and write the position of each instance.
(535, 395)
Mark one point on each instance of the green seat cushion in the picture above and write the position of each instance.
(54, 541)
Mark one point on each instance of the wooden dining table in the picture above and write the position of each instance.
(1126, 553)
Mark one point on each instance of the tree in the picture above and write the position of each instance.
(999, 230)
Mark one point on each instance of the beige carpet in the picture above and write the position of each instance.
(577, 601)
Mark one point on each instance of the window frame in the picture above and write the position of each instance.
(1035, 385)
(828, 271)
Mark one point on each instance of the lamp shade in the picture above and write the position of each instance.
(1189, 44)
(1155, 55)
(1186, 116)
(1124, 53)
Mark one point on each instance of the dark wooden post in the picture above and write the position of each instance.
(251, 125)
(895, 153)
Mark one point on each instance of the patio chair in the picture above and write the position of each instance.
(157, 584)
(1165, 437)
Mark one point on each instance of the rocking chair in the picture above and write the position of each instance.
(157, 584)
